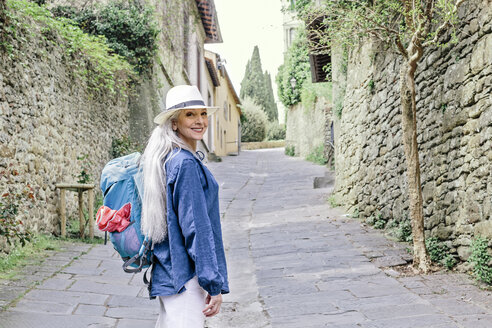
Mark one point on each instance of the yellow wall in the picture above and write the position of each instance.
(226, 120)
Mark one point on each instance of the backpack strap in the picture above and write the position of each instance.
(148, 282)
(139, 259)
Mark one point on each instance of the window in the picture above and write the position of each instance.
(225, 111)
(229, 112)
(292, 35)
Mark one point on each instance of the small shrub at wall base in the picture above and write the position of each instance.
(379, 223)
(332, 201)
(439, 252)
(11, 229)
(317, 156)
(290, 150)
(481, 259)
(404, 231)
(449, 261)
(14, 199)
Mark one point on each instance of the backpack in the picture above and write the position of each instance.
(122, 183)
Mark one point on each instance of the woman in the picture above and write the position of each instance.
(181, 215)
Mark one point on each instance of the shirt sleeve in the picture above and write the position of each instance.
(191, 206)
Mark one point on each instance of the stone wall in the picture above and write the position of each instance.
(49, 118)
(454, 133)
(306, 127)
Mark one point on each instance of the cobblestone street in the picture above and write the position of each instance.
(293, 262)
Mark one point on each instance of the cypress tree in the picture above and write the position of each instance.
(254, 85)
(272, 106)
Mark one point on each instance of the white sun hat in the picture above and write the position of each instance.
(182, 97)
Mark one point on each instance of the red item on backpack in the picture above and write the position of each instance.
(113, 220)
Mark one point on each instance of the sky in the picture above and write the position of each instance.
(244, 24)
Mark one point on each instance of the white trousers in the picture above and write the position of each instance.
(183, 310)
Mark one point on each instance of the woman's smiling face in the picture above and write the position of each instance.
(191, 125)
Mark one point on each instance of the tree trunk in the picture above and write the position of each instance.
(421, 258)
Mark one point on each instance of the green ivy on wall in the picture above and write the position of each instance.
(295, 66)
(92, 59)
(129, 27)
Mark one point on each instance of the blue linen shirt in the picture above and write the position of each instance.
(194, 243)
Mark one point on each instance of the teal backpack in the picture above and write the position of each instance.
(122, 183)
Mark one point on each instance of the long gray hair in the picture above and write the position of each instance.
(161, 142)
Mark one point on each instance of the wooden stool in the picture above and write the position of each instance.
(79, 188)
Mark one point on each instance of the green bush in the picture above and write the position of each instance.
(379, 223)
(437, 249)
(376, 221)
(332, 200)
(253, 122)
(275, 131)
(290, 150)
(480, 259)
(317, 155)
(370, 220)
(449, 261)
(404, 231)
(129, 27)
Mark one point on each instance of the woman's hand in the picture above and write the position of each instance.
(213, 305)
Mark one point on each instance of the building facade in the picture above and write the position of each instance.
(290, 22)
(185, 27)
(225, 124)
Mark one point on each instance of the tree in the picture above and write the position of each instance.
(270, 100)
(295, 66)
(409, 27)
(253, 121)
(254, 85)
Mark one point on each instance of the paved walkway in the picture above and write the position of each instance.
(293, 262)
